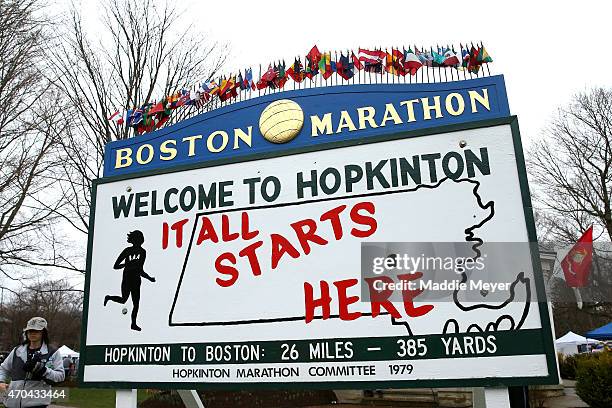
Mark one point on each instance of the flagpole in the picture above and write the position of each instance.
(336, 59)
(481, 49)
(447, 49)
(300, 83)
(393, 75)
(259, 79)
(404, 56)
(470, 61)
(471, 76)
(319, 76)
(452, 70)
(383, 70)
(389, 75)
(433, 68)
(360, 69)
(404, 61)
(423, 69)
(595, 259)
(445, 66)
(460, 62)
(240, 85)
(445, 72)
(427, 67)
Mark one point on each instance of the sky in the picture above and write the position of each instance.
(547, 51)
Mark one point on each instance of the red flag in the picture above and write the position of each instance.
(283, 80)
(157, 108)
(577, 263)
(395, 62)
(227, 85)
(314, 55)
(296, 71)
(161, 122)
(372, 56)
(473, 63)
(356, 61)
(267, 78)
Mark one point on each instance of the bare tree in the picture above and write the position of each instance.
(30, 130)
(52, 299)
(572, 167)
(143, 52)
(572, 170)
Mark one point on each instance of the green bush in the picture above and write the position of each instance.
(567, 365)
(594, 379)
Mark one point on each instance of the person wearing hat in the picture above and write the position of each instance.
(33, 365)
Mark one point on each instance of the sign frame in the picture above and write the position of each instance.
(549, 349)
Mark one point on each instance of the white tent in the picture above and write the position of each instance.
(66, 351)
(568, 344)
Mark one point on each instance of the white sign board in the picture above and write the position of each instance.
(250, 273)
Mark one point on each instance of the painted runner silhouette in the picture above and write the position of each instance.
(132, 261)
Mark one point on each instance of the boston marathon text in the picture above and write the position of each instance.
(384, 174)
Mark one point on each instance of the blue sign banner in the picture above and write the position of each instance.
(294, 120)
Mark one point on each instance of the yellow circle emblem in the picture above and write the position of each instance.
(281, 121)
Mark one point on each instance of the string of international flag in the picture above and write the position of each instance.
(398, 62)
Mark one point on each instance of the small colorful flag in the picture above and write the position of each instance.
(412, 63)
(451, 59)
(372, 56)
(210, 87)
(483, 56)
(374, 67)
(118, 117)
(312, 63)
(136, 117)
(395, 63)
(267, 79)
(473, 64)
(465, 58)
(325, 67)
(425, 57)
(194, 97)
(437, 58)
(356, 61)
(184, 98)
(227, 89)
(344, 67)
(248, 78)
(296, 71)
(226, 84)
(314, 55)
(241, 83)
(281, 76)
